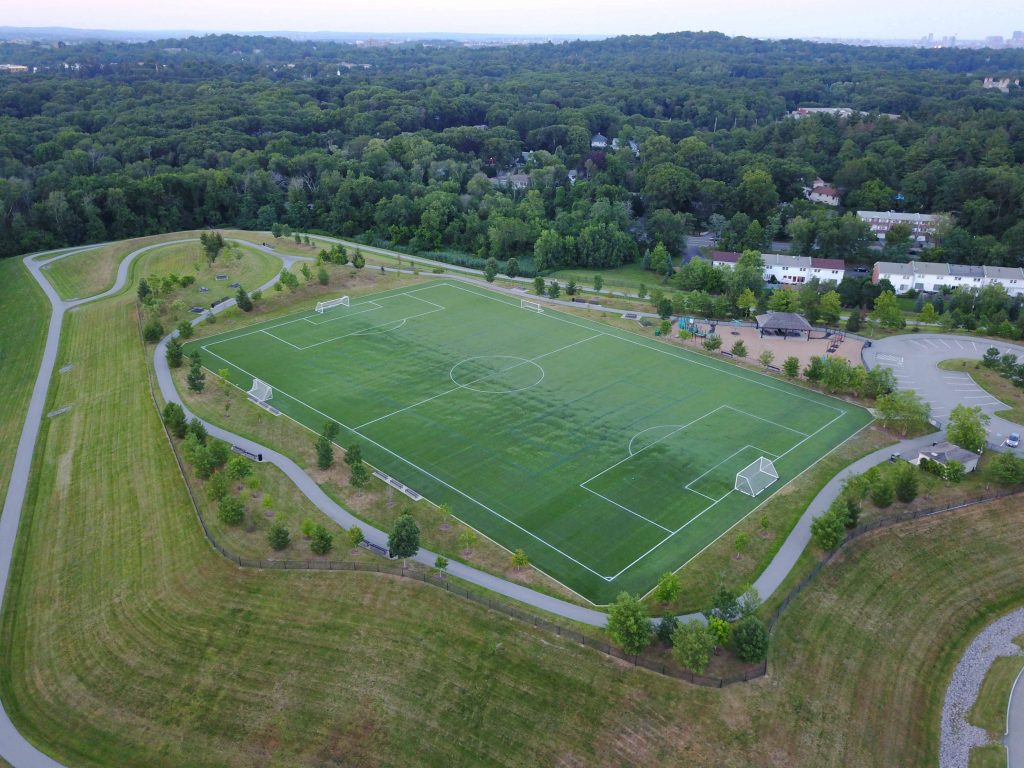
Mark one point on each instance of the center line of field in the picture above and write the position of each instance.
(475, 381)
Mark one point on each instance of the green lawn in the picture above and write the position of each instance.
(607, 457)
(237, 264)
(127, 641)
(629, 277)
(93, 271)
(989, 711)
(25, 314)
(997, 386)
(989, 756)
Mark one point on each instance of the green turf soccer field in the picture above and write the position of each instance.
(608, 457)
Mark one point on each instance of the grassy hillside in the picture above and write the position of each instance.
(127, 641)
(24, 318)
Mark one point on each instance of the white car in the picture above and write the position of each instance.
(1013, 440)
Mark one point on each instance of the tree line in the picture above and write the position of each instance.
(402, 145)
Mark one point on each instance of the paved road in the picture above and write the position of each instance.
(1015, 725)
(914, 359)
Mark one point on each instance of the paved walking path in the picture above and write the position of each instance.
(958, 736)
(1014, 739)
(21, 754)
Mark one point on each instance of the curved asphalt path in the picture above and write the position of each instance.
(21, 754)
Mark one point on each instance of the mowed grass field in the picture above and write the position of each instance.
(247, 266)
(127, 641)
(25, 312)
(607, 457)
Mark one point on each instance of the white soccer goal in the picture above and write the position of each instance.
(322, 305)
(756, 476)
(533, 306)
(261, 391)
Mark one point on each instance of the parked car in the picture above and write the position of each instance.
(1013, 440)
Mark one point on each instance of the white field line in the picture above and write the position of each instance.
(701, 513)
(630, 511)
(341, 315)
(418, 468)
(555, 314)
(470, 383)
(764, 501)
(731, 456)
(650, 445)
(364, 331)
(275, 338)
(767, 421)
(304, 314)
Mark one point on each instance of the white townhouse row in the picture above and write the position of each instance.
(931, 277)
(923, 226)
(783, 268)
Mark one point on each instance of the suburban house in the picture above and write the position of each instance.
(820, 192)
(634, 148)
(511, 180)
(999, 84)
(840, 112)
(783, 268)
(598, 141)
(943, 453)
(923, 226)
(931, 277)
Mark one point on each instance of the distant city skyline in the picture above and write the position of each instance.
(868, 19)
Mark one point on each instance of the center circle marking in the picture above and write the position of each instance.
(496, 382)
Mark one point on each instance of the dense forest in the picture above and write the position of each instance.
(476, 153)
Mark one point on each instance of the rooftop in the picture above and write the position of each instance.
(921, 218)
(783, 321)
(894, 268)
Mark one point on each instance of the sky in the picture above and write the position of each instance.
(875, 19)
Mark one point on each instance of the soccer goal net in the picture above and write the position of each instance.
(533, 306)
(322, 305)
(260, 391)
(756, 476)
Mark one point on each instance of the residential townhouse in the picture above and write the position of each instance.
(787, 269)
(923, 226)
(932, 277)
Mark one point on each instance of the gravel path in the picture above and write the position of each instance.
(958, 736)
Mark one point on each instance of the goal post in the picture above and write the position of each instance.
(756, 476)
(533, 306)
(324, 305)
(260, 391)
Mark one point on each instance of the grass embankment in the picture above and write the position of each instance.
(997, 386)
(129, 642)
(989, 756)
(93, 271)
(989, 710)
(237, 263)
(24, 317)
